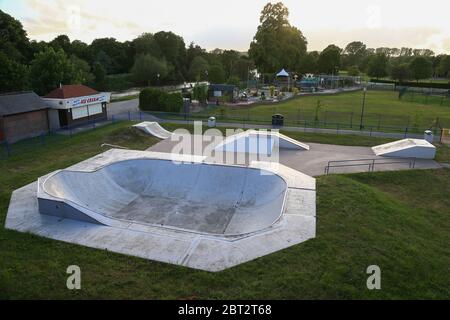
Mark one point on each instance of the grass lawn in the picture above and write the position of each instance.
(402, 225)
(383, 108)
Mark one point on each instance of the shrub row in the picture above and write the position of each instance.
(151, 99)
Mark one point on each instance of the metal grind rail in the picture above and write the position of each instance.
(370, 163)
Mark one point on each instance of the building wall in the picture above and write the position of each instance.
(25, 125)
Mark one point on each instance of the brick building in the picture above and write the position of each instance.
(22, 115)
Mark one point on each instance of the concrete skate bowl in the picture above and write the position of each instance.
(199, 198)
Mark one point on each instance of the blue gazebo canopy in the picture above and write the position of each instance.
(283, 73)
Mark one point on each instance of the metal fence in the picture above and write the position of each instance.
(290, 124)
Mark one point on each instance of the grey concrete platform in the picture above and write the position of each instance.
(280, 211)
(312, 162)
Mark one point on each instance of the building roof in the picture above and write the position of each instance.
(21, 102)
(71, 91)
(283, 73)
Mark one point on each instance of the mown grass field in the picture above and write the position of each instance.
(399, 221)
(383, 109)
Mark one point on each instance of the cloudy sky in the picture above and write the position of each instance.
(231, 24)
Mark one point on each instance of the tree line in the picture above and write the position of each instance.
(277, 44)
(150, 59)
(163, 58)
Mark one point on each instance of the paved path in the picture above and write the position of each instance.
(312, 162)
(122, 107)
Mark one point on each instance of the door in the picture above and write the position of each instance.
(63, 121)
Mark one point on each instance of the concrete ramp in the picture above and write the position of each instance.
(259, 142)
(154, 129)
(407, 148)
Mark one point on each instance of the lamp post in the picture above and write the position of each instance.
(361, 126)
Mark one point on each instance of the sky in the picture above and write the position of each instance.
(231, 24)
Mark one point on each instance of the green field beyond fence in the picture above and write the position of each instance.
(383, 111)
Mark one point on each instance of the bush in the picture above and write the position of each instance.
(151, 99)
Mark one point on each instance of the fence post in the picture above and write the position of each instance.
(337, 130)
(406, 132)
(129, 115)
(351, 121)
(371, 128)
(8, 148)
(140, 115)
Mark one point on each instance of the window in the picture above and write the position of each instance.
(80, 112)
(95, 109)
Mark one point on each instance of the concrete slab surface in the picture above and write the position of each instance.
(271, 215)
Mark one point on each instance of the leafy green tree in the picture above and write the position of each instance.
(99, 76)
(198, 68)
(400, 72)
(234, 80)
(61, 42)
(309, 63)
(444, 66)
(200, 93)
(49, 69)
(13, 75)
(276, 43)
(14, 42)
(354, 53)
(146, 44)
(82, 69)
(378, 66)
(147, 68)
(353, 71)
(421, 68)
(115, 56)
(216, 74)
(80, 49)
(330, 59)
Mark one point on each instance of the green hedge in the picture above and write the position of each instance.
(151, 99)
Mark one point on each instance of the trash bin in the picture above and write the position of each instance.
(278, 120)
(212, 122)
(428, 136)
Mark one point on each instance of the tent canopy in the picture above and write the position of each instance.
(283, 73)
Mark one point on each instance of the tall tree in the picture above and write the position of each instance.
(277, 44)
(51, 68)
(62, 42)
(330, 59)
(13, 39)
(444, 66)
(378, 66)
(198, 69)
(353, 54)
(400, 72)
(147, 68)
(309, 63)
(421, 68)
(216, 74)
(13, 75)
(146, 44)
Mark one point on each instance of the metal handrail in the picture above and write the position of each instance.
(113, 146)
(371, 165)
